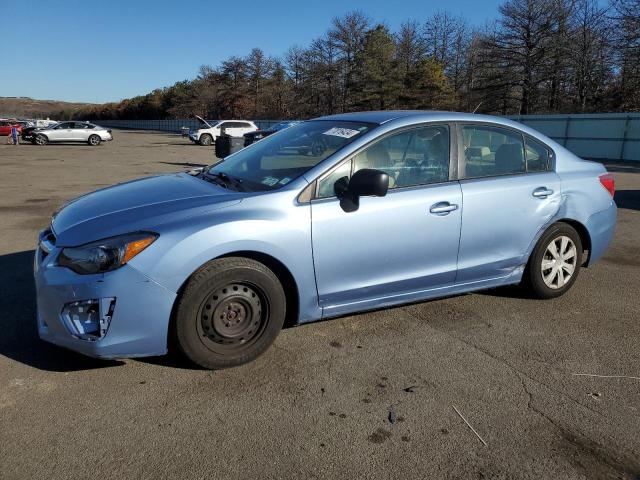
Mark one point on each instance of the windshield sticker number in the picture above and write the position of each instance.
(341, 132)
(270, 181)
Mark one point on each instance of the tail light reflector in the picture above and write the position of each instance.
(608, 182)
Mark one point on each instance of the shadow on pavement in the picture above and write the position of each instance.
(629, 199)
(19, 337)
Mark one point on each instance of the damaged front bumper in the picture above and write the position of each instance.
(118, 314)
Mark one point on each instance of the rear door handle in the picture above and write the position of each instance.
(542, 192)
(443, 208)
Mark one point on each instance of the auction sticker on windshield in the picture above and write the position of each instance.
(341, 132)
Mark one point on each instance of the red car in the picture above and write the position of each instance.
(5, 127)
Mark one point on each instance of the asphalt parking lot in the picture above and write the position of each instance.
(366, 396)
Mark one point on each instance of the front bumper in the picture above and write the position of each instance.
(138, 323)
(193, 137)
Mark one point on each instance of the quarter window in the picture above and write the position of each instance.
(537, 156)
(419, 156)
(490, 151)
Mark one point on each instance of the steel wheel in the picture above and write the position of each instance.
(559, 262)
(232, 317)
(229, 313)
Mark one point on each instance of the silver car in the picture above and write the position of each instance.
(72, 132)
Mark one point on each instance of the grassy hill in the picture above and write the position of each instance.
(25, 107)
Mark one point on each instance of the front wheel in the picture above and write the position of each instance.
(555, 262)
(206, 140)
(41, 140)
(229, 313)
(94, 140)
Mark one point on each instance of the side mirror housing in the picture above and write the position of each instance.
(368, 182)
(365, 182)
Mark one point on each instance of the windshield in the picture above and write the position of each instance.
(282, 125)
(280, 158)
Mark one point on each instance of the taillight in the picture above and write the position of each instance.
(608, 182)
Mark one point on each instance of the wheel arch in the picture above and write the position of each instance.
(289, 284)
(585, 238)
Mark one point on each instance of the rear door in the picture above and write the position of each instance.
(393, 248)
(510, 192)
(80, 132)
(235, 129)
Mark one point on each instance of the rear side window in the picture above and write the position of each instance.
(491, 151)
(243, 125)
(537, 155)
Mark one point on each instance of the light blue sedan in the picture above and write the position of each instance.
(329, 217)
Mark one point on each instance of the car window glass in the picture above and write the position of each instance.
(490, 151)
(537, 156)
(326, 186)
(419, 156)
(278, 159)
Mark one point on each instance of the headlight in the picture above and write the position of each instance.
(105, 255)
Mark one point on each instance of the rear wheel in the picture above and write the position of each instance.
(206, 140)
(41, 139)
(555, 262)
(229, 313)
(94, 140)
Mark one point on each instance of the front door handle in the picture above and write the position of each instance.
(443, 208)
(542, 192)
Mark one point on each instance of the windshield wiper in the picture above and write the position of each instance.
(225, 180)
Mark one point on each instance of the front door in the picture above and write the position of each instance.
(395, 248)
(510, 194)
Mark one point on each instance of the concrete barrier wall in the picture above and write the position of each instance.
(602, 136)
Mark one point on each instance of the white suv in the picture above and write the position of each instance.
(209, 131)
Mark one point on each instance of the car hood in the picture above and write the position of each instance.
(203, 123)
(137, 205)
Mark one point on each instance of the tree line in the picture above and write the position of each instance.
(538, 56)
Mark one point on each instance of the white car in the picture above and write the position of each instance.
(210, 130)
(72, 132)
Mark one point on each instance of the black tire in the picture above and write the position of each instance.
(94, 140)
(206, 139)
(229, 313)
(40, 139)
(534, 275)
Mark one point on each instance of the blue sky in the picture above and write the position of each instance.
(109, 50)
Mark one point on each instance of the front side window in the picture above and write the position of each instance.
(278, 159)
(491, 151)
(419, 156)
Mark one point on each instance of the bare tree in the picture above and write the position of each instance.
(347, 36)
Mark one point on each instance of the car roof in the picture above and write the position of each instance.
(410, 116)
(384, 116)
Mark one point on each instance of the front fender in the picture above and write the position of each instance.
(283, 236)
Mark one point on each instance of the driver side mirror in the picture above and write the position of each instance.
(363, 183)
